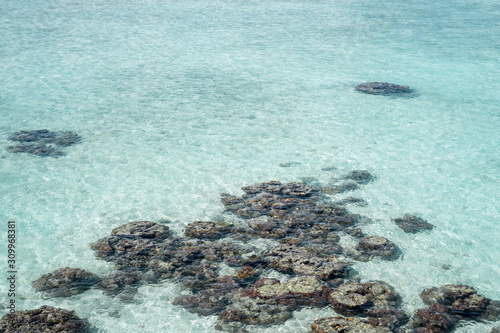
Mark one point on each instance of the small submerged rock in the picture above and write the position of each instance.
(42, 142)
(124, 284)
(375, 246)
(46, 319)
(212, 300)
(295, 260)
(433, 319)
(360, 176)
(355, 298)
(65, 282)
(253, 311)
(412, 224)
(382, 88)
(461, 300)
(337, 188)
(449, 305)
(346, 325)
(207, 230)
(296, 292)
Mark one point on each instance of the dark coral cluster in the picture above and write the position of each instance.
(65, 282)
(42, 142)
(302, 228)
(450, 304)
(382, 88)
(46, 319)
(412, 224)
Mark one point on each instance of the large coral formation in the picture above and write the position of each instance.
(302, 228)
(46, 319)
(42, 142)
(65, 282)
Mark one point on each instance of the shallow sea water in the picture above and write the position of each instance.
(179, 101)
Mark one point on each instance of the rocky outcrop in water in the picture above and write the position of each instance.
(65, 282)
(448, 306)
(212, 300)
(360, 176)
(123, 284)
(462, 301)
(382, 88)
(46, 319)
(375, 246)
(207, 230)
(412, 224)
(295, 260)
(296, 292)
(43, 142)
(252, 311)
(346, 325)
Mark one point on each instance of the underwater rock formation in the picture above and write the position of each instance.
(382, 88)
(253, 311)
(433, 319)
(375, 246)
(296, 292)
(212, 300)
(46, 319)
(42, 142)
(65, 282)
(148, 249)
(346, 325)
(121, 283)
(207, 230)
(337, 188)
(449, 305)
(355, 298)
(462, 301)
(412, 224)
(295, 260)
(360, 176)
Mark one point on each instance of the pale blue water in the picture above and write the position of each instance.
(178, 101)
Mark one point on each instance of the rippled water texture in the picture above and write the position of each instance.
(179, 101)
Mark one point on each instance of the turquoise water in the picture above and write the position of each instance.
(178, 101)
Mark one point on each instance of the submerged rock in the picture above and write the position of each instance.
(461, 300)
(207, 230)
(121, 283)
(346, 325)
(42, 142)
(412, 224)
(296, 292)
(338, 188)
(46, 319)
(451, 303)
(253, 311)
(434, 319)
(142, 229)
(212, 300)
(352, 201)
(360, 176)
(65, 282)
(382, 88)
(375, 246)
(291, 259)
(355, 298)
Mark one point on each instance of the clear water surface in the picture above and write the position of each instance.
(178, 101)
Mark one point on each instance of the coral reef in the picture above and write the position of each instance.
(46, 319)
